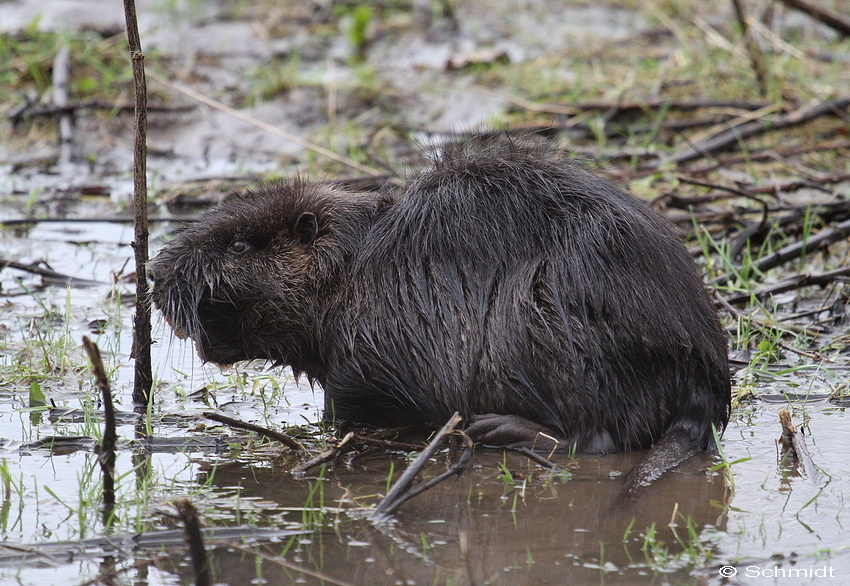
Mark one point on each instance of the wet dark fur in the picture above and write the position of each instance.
(504, 280)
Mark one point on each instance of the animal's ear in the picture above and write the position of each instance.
(306, 228)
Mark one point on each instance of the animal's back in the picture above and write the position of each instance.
(508, 280)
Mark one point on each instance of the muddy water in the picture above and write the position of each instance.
(503, 521)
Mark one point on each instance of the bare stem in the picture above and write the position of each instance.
(142, 319)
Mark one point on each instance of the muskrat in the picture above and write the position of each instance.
(505, 282)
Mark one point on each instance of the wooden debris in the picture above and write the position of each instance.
(732, 136)
(269, 433)
(106, 448)
(195, 541)
(796, 250)
(142, 318)
(791, 283)
(401, 491)
(321, 577)
(49, 275)
(325, 456)
(831, 19)
(793, 448)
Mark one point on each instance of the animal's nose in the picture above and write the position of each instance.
(151, 270)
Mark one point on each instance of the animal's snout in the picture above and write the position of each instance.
(151, 270)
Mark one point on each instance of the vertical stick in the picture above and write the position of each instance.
(756, 56)
(106, 449)
(61, 65)
(142, 318)
(195, 541)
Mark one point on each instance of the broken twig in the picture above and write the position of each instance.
(264, 431)
(793, 446)
(106, 448)
(195, 540)
(790, 284)
(732, 136)
(401, 490)
(796, 250)
(831, 19)
(325, 456)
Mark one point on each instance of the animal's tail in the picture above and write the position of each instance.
(665, 454)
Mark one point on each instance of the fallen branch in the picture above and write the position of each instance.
(795, 184)
(767, 154)
(620, 106)
(790, 284)
(118, 545)
(831, 19)
(325, 456)
(795, 250)
(386, 444)
(264, 431)
(755, 233)
(537, 458)
(265, 126)
(401, 491)
(279, 561)
(49, 275)
(733, 136)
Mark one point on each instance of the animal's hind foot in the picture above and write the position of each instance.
(513, 431)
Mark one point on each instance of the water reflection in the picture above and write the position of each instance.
(481, 528)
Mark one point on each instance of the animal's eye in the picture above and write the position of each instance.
(239, 246)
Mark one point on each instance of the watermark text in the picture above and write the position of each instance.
(778, 572)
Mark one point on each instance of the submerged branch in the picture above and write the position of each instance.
(73, 108)
(195, 540)
(322, 577)
(325, 456)
(401, 491)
